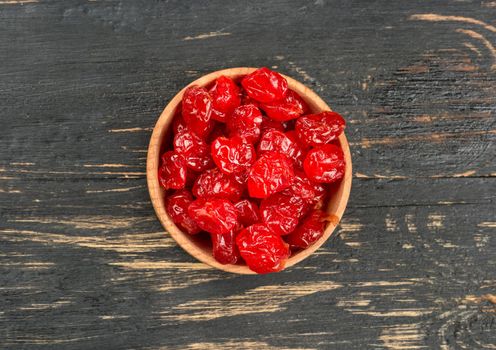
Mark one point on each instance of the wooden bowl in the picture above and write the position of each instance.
(200, 248)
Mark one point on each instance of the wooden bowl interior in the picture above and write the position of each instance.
(199, 246)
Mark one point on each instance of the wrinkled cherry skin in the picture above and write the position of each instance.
(290, 107)
(277, 141)
(197, 110)
(224, 248)
(268, 124)
(262, 250)
(248, 213)
(245, 121)
(226, 97)
(214, 183)
(319, 129)
(234, 155)
(309, 231)
(265, 86)
(194, 149)
(281, 212)
(302, 187)
(271, 173)
(214, 215)
(177, 207)
(325, 164)
(172, 172)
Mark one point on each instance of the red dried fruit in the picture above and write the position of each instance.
(234, 155)
(281, 212)
(325, 164)
(302, 187)
(172, 172)
(214, 215)
(277, 141)
(271, 173)
(224, 248)
(177, 207)
(309, 231)
(247, 100)
(269, 124)
(245, 121)
(248, 213)
(214, 183)
(178, 124)
(197, 110)
(321, 194)
(226, 97)
(194, 149)
(319, 129)
(290, 107)
(265, 85)
(262, 250)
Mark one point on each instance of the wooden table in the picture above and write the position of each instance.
(86, 265)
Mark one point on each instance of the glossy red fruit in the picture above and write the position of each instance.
(248, 212)
(269, 124)
(277, 141)
(177, 207)
(214, 183)
(299, 156)
(325, 164)
(321, 195)
(197, 110)
(172, 172)
(247, 100)
(178, 125)
(234, 155)
(319, 129)
(265, 85)
(290, 107)
(263, 250)
(194, 149)
(224, 248)
(271, 173)
(245, 121)
(309, 231)
(214, 215)
(226, 97)
(281, 212)
(302, 187)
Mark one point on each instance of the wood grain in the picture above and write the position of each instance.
(84, 262)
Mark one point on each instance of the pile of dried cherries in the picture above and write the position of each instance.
(250, 166)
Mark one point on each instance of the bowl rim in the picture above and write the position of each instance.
(162, 125)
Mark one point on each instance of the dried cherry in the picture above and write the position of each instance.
(289, 107)
(214, 183)
(309, 231)
(271, 173)
(325, 164)
(281, 212)
(262, 250)
(226, 97)
(248, 213)
(224, 247)
(319, 129)
(177, 207)
(214, 215)
(172, 172)
(245, 121)
(265, 85)
(234, 155)
(197, 110)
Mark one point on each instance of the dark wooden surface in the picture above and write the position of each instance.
(84, 263)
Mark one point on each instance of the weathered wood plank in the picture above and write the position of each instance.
(84, 262)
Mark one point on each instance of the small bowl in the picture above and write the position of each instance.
(199, 247)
